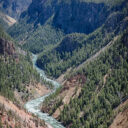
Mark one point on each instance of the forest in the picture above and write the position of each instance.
(16, 70)
(104, 90)
(76, 48)
(81, 61)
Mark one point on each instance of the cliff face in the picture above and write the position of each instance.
(71, 16)
(77, 17)
(46, 22)
(6, 47)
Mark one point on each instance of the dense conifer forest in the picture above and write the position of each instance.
(16, 70)
(83, 44)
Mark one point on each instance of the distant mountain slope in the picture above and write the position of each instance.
(9, 20)
(57, 18)
(76, 48)
(35, 38)
(6, 21)
(14, 7)
(68, 15)
(46, 24)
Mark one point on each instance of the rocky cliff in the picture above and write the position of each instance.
(71, 16)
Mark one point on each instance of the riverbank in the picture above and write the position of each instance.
(33, 106)
(14, 116)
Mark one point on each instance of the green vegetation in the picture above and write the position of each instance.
(105, 88)
(3, 34)
(71, 52)
(76, 48)
(66, 33)
(18, 31)
(36, 39)
(44, 24)
(14, 8)
(15, 75)
(52, 102)
(43, 38)
(16, 71)
(41, 27)
(4, 24)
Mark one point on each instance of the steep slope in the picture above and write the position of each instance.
(17, 73)
(68, 15)
(89, 96)
(4, 35)
(35, 38)
(19, 82)
(15, 117)
(7, 19)
(103, 90)
(3, 22)
(51, 17)
(76, 48)
(121, 120)
(14, 7)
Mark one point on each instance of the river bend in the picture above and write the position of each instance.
(33, 106)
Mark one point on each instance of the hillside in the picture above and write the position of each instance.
(15, 117)
(121, 120)
(103, 87)
(70, 52)
(19, 82)
(47, 22)
(85, 42)
(17, 68)
(14, 7)
(60, 11)
(9, 20)
(6, 21)
(46, 28)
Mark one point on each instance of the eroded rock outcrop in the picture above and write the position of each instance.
(6, 47)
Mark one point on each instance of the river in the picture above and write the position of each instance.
(33, 106)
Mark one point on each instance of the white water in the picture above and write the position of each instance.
(33, 106)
